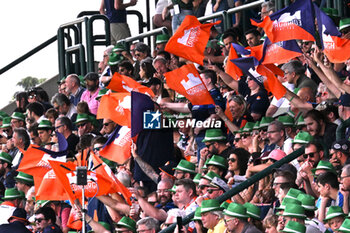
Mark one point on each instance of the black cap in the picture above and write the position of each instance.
(91, 76)
(341, 145)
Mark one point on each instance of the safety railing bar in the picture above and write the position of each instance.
(145, 34)
(255, 178)
(28, 54)
(245, 6)
(80, 20)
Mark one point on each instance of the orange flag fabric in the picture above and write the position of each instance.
(190, 39)
(187, 81)
(122, 83)
(117, 107)
(118, 145)
(231, 69)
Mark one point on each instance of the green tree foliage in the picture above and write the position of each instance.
(29, 82)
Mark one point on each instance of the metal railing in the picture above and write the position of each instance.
(255, 178)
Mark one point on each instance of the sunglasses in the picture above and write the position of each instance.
(97, 149)
(106, 124)
(311, 155)
(56, 128)
(208, 145)
(39, 220)
(202, 186)
(245, 135)
(210, 191)
(237, 139)
(133, 199)
(81, 125)
(31, 96)
(232, 160)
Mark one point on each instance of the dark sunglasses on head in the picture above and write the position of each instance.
(232, 160)
(311, 155)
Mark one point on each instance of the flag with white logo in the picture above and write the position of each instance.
(190, 39)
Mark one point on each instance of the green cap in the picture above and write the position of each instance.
(213, 135)
(115, 59)
(186, 166)
(256, 125)
(45, 124)
(294, 227)
(294, 211)
(82, 117)
(25, 178)
(287, 201)
(293, 193)
(286, 120)
(324, 165)
(218, 161)
(162, 38)
(6, 122)
(127, 223)
(210, 176)
(265, 121)
(345, 227)
(11, 194)
(300, 121)
(3, 115)
(197, 178)
(302, 138)
(210, 205)
(252, 210)
(6, 157)
(307, 201)
(119, 47)
(236, 210)
(197, 215)
(248, 127)
(173, 189)
(344, 23)
(334, 211)
(224, 205)
(18, 116)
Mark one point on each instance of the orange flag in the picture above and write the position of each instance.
(186, 81)
(117, 186)
(190, 39)
(74, 221)
(231, 69)
(122, 83)
(118, 145)
(45, 190)
(117, 107)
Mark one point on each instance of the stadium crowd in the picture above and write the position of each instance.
(173, 172)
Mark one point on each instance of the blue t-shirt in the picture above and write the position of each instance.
(114, 16)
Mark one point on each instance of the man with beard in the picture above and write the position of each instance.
(159, 211)
(89, 95)
(340, 153)
(313, 155)
(74, 89)
(35, 112)
(319, 128)
(215, 142)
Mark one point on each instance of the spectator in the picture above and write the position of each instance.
(63, 105)
(64, 126)
(21, 143)
(45, 219)
(147, 224)
(12, 199)
(89, 95)
(51, 114)
(17, 120)
(24, 182)
(212, 217)
(45, 130)
(116, 13)
(21, 101)
(17, 222)
(6, 171)
(74, 89)
(253, 37)
(35, 112)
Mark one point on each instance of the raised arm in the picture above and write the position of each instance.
(119, 5)
(228, 80)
